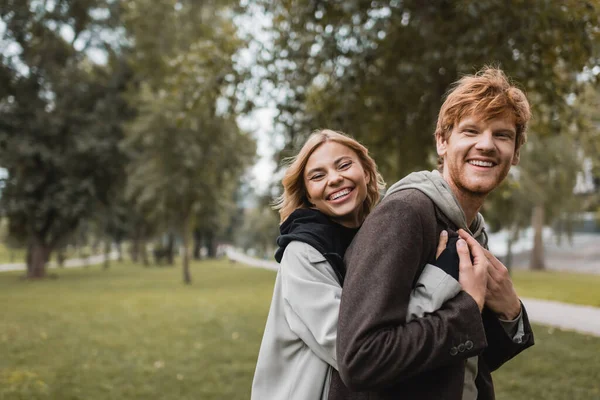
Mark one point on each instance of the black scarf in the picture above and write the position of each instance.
(318, 230)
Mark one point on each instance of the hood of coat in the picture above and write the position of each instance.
(433, 185)
(318, 230)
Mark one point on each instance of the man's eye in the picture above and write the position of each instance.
(470, 131)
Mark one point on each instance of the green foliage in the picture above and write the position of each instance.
(61, 116)
(147, 338)
(188, 152)
(378, 70)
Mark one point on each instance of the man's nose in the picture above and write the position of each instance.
(485, 141)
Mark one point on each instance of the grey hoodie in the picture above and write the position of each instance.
(433, 185)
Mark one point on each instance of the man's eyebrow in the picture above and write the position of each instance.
(510, 131)
(468, 125)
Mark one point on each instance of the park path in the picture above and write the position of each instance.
(71, 263)
(583, 319)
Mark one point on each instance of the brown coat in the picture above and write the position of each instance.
(380, 356)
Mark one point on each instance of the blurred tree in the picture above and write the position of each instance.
(378, 69)
(259, 231)
(60, 115)
(187, 150)
(539, 192)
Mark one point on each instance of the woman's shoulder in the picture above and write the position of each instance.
(301, 251)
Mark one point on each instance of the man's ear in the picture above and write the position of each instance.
(516, 157)
(441, 145)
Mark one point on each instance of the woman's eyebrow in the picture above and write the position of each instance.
(313, 170)
(342, 158)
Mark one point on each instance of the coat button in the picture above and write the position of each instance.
(453, 351)
(461, 347)
(468, 345)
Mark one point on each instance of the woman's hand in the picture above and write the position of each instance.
(441, 244)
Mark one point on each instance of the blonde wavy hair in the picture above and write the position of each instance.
(294, 192)
(488, 93)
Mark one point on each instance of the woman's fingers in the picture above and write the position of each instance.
(442, 243)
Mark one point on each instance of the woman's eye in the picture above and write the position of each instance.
(345, 165)
(316, 177)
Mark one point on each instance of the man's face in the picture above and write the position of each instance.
(478, 154)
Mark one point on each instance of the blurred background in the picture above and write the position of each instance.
(143, 140)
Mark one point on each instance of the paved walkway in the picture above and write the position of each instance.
(583, 319)
(71, 263)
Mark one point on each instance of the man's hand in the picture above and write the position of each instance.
(473, 275)
(501, 296)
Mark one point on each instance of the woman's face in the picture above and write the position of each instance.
(336, 183)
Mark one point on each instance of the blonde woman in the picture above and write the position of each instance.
(328, 190)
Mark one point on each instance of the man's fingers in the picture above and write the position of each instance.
(493, 260)
(464, 256)
(477, 251)
(442, 243)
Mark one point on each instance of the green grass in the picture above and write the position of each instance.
(132, 333)
(136, 333)
(559, 286)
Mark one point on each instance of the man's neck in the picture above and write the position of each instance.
(470, 203)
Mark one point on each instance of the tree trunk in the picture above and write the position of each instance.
(143, 251)
(119, 251)
(170, 248)
(211, 246)
(28, 255)
(187, 277)
(197, 243)
(107, 253)
(537, 253)
(39, 257)
(60, 257)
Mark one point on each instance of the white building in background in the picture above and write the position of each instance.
(584, 184)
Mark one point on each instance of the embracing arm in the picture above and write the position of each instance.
(312, 299)
(506, 340)
(377, 348)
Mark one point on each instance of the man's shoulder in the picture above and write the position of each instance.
(415, 199)
(408, 206)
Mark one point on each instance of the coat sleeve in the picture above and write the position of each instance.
(434, 287)
(503, 345)
(377, 347)
(312, 295)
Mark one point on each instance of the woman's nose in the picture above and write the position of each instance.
(335, 178)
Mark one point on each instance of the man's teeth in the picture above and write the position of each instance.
(481, 163)
(339, 194)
